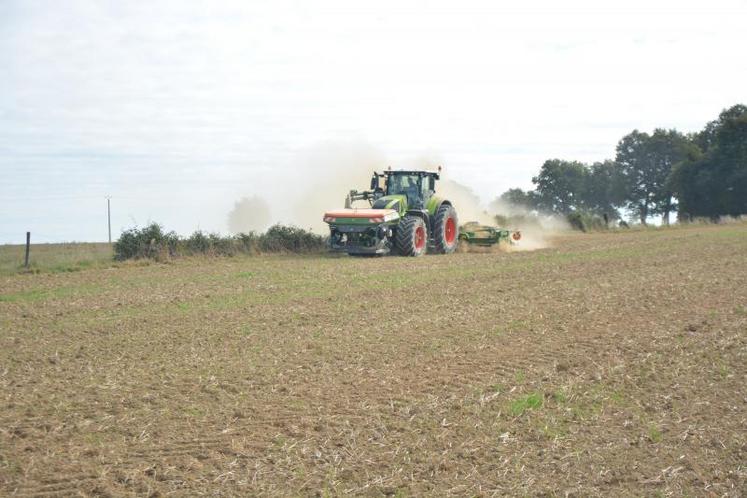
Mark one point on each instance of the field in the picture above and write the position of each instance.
(609, 364)
(54, 257)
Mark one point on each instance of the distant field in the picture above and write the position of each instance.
(54, 257)
(610, 364)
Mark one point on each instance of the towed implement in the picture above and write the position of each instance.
(405, 216)
(484, 235)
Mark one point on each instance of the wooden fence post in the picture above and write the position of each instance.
(28, 244)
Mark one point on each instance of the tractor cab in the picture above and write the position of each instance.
(414, 187)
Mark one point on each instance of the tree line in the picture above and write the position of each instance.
(701, 174)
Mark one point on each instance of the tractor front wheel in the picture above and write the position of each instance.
(412, 236)
(446, 229)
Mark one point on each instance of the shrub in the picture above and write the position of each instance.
(147, 242)
(222, 246)
(248, 242)
(581, 220)
(281, 238)
(197, 243)
(152, 242)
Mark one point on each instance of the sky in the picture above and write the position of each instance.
(177, 109)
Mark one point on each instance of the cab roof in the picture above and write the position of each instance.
(420, 172)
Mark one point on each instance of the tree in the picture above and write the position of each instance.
(705, 138)
(560, 186)
(715, 183)
(605, 189)
(667, 148)
(249, 214)
(646, 162)
(519, 198)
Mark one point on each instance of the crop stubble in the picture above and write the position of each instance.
(609, 364)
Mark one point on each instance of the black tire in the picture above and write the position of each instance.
(446, 229)
(412, 236)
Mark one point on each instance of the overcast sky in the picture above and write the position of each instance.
(177, 109)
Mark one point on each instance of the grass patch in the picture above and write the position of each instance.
(520, 406)
(54, 258)
(193, 411)
(559, 397)
(43, 294)
(654, 434)
(554, 430)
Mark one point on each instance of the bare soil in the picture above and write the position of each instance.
(609, 364)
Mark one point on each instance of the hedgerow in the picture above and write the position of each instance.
(154, 242)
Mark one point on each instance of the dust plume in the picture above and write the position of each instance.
(249, 214)
(324, 174)
(467, 203)
(537, 229)
(330, 171)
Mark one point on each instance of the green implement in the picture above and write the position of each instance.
(485, 235)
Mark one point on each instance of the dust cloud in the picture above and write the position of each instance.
(330, 171)
(537, 229)
(325, 173)
(249, 214)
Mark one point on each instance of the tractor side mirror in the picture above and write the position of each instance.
(432, 184)
(374, 182)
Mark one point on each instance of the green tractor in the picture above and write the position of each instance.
(404, 216)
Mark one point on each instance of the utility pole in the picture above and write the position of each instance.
(109, 217)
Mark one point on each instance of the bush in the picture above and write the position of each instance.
(147, 242)
(197, 243)
(152, 242)
(280, 238)
(580, 220)
(248, 242)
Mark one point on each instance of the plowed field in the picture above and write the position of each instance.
(609, 364)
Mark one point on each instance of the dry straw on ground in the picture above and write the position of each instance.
(610, 364)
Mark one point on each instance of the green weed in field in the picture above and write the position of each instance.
(559, 397)
(553, 430)
(530, 402)
(723, 370)
(193, 411)
(654, 434)
(42, 294)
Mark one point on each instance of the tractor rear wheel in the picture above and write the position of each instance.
(412, 236)
(446, 229)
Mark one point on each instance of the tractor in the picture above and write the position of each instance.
(404, 216)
